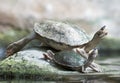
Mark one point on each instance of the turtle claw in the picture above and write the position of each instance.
(48, 55)
(8, 52)
(98, 69)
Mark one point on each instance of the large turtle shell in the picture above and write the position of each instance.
(61, 32)
(69, 59)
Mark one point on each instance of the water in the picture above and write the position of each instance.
(106, 80)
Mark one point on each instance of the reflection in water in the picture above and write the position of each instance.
(74, 79)
(83, 81)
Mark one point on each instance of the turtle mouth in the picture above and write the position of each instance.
(102, 32)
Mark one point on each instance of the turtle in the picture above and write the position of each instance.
(58, 35)
(71, 60)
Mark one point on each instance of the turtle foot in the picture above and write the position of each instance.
(48, 55)
(96, 67)
(12, 48)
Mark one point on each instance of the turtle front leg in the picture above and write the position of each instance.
(88, 62)
(85, 55)
(18, 45)
(91, 58)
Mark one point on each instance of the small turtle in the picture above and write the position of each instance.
(71, 60)
(58, 35)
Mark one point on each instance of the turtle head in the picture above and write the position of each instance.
(96, 39)
(101, 33)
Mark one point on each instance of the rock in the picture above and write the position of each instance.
(31, 65)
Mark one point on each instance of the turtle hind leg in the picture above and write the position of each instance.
(18, 45)
(49, 55)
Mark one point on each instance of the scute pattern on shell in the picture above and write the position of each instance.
(61, 32)
(69, 58)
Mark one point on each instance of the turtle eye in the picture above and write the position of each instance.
(98, 34)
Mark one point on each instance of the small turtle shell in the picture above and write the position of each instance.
(61, 32)
(69, 59)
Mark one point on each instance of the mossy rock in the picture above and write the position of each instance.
(19, 65)
(30, 64)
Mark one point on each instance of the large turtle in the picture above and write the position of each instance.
(71, 60)
(60, 36)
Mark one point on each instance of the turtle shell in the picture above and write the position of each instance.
(69, 59)
(61, 32)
